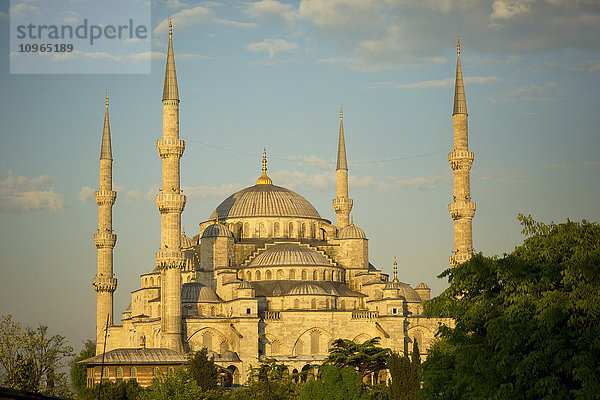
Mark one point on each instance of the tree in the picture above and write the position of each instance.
(334, 384)
(203, 370)
(404, 374)
(127, 390)
(31, 352)
(270, 381)
(366, 357)
(78, 372)
(178, 385)
(527, 324)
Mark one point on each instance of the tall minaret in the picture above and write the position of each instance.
(170, 259)
(342, 204)
(104, 282)
(461, 209)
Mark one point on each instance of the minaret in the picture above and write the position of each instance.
(461, 209)
(342, 204)
(170, 259)
(105, 283)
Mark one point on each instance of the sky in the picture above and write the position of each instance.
(274, 74)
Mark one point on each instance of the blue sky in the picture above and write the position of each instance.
(274, 74)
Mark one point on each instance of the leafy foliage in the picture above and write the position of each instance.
(29, 358)
(527, 324)
(405, 375)
(78, 372)
(203, 370)
(334, 384)
(127, 390)
(178, 385)
(270, 381)
(366, 357)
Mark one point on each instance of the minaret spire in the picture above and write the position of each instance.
(395, 270)
(342, 204)
(171, 202)
(104, 283)
(264, 178)
(461, 209)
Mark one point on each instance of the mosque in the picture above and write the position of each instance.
(266, 276)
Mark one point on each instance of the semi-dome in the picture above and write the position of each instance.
(408, 293)
(352, 232)
(186, 242)
(217, 230)
(308, 289)
(264, 200)
(290, 254)
(195, 292)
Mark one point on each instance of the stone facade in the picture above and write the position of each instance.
(264, 276)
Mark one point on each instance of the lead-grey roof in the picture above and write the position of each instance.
(137, 357)
(290, 255)
(342, 163)
(195, 292)
(170, 90)
(352, 232)
(460, 100)
(106, 149)
(309, 288)
(265, 201)
(217, 230)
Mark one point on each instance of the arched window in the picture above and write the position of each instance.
(158, 281)
(212, 311)
(106, 374)
(276, 229)
(156, 371)
(189, 278)
(299, 348)
(314, 342)
(133, 373)
(313, 304)
(279, 274)
(315, 276)
(343, 304)
(296, 304)
(313, 231)
(327, 304)
(249, 276)
(170, 371)
(324, 275)
(246, 230)
(207, 340)
(261, 230)
(304, 275)
(292, 274)
(355, 305)
(274, 348)
(303, 230)
(337, 276)
(258, 275)
(291, 229)
(268, 275)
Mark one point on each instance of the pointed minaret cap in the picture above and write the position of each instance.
(460, 101)
(342, 164)
(170, 91)
(264, 179)
(395, 271)
(106, 150)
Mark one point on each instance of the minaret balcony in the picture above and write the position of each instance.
(462, 210)
(456, 259)
(461, 159)
(105, 197)
(170, 202)
(104, 284)
(170, 259)
(105, 240)
(342, 204)
(170, 147)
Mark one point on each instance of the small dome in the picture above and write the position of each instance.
(307, 289)
(229, 355)
(352, 232)
(195, 292)
(392, 286)
(186, 242)
(217, 230)
(246, 285)
(422, 286)
(290, 254)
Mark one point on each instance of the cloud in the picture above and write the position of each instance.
(548, 91)
(22, 10)
(136, 196)
(273, 11)
(272, 46)
(558, 166)
(195, 16)
(424, 183)
(298, 180)
(175, 4)
(342, 17)
(314, 161)
(206, 192)
(22, 194)
(69, 17)
(594, 67)
(362, 181)
(85, 194)
(433, 84)
(592, 163)
(507, 9)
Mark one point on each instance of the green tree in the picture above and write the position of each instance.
(334, 384)
(203, 370)
(366, 357)
(127, 390)
(527, 324)
(404, 383)
(270, 381)
(79, 372)
(31, 352)
(178, 385)
(22, 376)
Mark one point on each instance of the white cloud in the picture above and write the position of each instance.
(195, 16)
(298, 180)
(434, 84)
(272, 46)
(548, 91)
(429, 182)
(273, 11)
(85, 194)
(21, 10)
(136, 196)
(347, 17)
(175, 4)
(507, 9)
(69, 17)
(314, 161)
(22, 194)
(206, 192)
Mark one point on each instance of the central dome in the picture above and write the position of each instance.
(265, 201)
(289, 254)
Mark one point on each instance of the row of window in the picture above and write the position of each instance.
(304, 275)
(289, 230)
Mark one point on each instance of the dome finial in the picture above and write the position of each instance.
(458, 46)
(341, 114)
(395, 270)
(106, 97)
(352, 220)
(170, 28)
(264, 179)
(182, 231)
